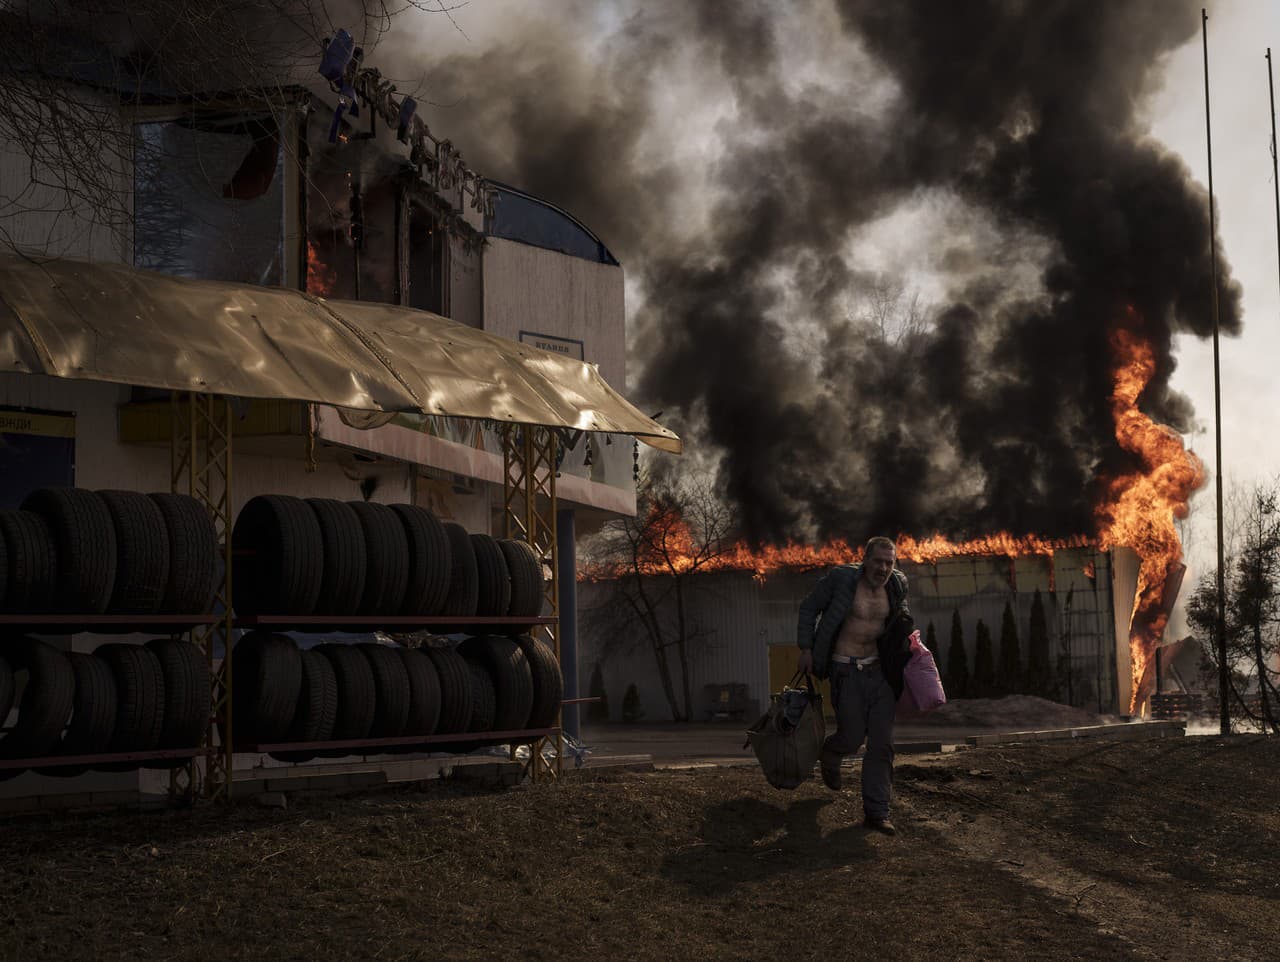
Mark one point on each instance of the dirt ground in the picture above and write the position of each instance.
(1162, 849)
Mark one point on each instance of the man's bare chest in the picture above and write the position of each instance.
(870, 604)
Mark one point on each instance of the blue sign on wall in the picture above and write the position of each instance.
(37, 450)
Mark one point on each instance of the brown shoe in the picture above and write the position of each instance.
(882, 825)
(830, 764)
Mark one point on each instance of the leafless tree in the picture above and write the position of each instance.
(1253, 603)
(75, 73)
(893, 311)
(681, 528)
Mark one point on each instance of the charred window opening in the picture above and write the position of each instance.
(209, 197)
(374, 218)
(335, 224)
(374, 232)
(351, 241)
(352, 216)
(428, 264)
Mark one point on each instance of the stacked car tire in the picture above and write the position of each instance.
(321, 556)
(333, 693)
(80, 553)
(119, 699)
(77, 552)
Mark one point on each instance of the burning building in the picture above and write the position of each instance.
(743, 621)
(299, 193)
(1109, 595)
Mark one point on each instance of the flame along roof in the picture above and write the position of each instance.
(104, 322)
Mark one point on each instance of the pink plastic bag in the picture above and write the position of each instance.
(922, 684)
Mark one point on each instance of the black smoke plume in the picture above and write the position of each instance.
(1019, 120)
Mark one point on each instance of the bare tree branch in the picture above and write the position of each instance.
(76, 72)
(1253, 601)
(680, 529)
(894, 313)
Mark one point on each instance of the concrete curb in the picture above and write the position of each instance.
(927, 748)
(1136, 731)
(613, 763)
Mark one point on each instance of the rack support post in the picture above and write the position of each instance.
(530, 455)
(200, 456)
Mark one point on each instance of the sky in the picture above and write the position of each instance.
(695, 142)
(1239, 33)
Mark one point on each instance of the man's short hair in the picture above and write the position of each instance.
(879, 542)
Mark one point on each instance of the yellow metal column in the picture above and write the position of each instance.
(200, 454)
(529, 500)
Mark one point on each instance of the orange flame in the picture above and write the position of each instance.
(1140, 507)
(671, 548)
(321, 278)
(765, 560)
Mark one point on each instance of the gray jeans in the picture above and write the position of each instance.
(865, 707)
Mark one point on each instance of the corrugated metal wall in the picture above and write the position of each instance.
(1124, 586)
(731, 647)
(1075, 587)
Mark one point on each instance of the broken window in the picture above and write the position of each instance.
(209, 198)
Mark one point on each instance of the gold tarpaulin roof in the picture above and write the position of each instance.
(104, 322)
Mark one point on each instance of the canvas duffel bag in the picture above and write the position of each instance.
(788, 737)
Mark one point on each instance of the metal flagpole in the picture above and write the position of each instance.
(1275, 171)
(1224, 711)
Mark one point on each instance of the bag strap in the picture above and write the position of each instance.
(808, 681)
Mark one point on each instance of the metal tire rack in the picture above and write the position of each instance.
(201, 466)
(200, 450)
(201, 454)
(179, 783)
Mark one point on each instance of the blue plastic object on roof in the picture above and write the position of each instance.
(408, 107)
(337, 54)
(522, 217)
(338, 64)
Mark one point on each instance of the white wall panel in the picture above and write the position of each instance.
(530, 289)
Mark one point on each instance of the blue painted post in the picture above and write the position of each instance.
(568, 579)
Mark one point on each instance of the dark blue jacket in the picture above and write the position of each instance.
(829, 603)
